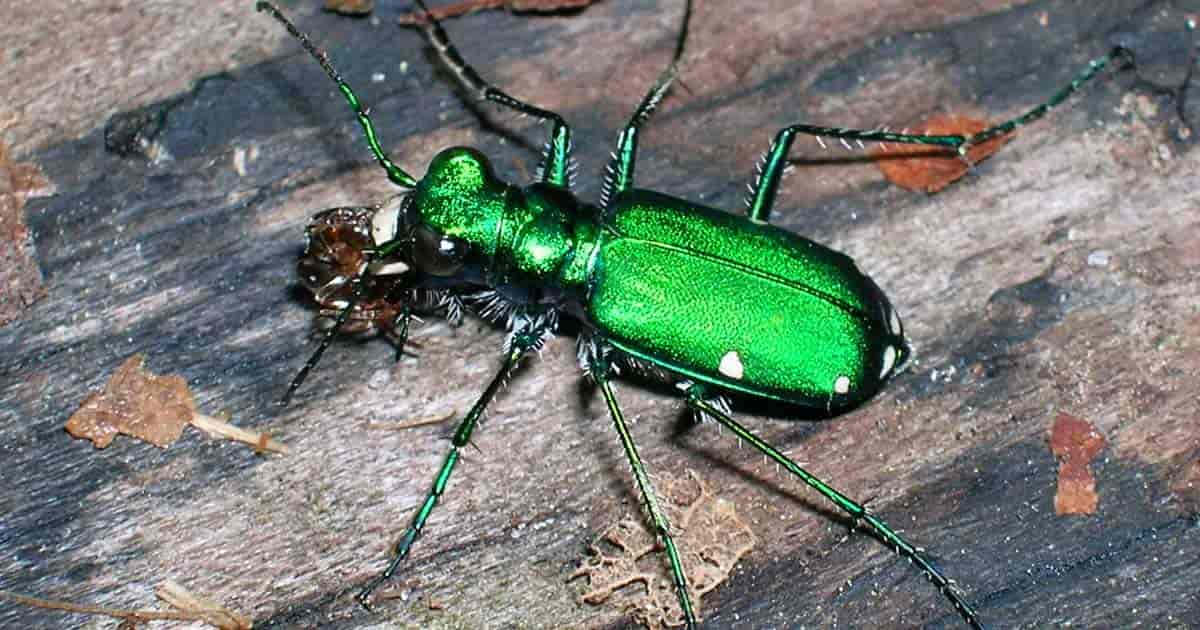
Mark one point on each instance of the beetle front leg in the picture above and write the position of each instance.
(881, 530)
(599, 369)
(774, 161)
(556, 158)
(522, 341)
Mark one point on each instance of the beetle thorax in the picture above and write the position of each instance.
(539, 236)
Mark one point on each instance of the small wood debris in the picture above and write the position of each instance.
(1075, 442)
(350, 7)
(152, 408)
(411, 424)
(626, 572)
(205, 609)
(471, 6)
(219, 426)
(20, 278)
(929, 168)
(191, 608)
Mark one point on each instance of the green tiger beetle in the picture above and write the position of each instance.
(784, 318)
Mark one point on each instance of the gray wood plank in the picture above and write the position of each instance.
(998, 279)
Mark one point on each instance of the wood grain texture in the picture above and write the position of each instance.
(190, 260)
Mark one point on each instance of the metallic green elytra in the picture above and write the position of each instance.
(715, 302)
(742, 305)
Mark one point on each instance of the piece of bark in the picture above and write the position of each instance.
(20, 278)
(1075, 442)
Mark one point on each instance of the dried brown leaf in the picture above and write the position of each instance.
(137, 403)
(152, 408)
(928, 168)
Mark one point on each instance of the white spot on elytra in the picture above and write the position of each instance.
(894, 322)
(842, 385)
(731, 365)
(889, 361)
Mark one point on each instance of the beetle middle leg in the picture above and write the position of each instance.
(762, 193)
(599, 369)
(556, 160)
(881, 530)
(618, 175)
(524, 339)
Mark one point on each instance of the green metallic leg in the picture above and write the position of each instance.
(556, 162)
(762, 194)
(522, 342)
(394, 173)
(599, 372)
(695, 400)
(619, 174)
(400, 332)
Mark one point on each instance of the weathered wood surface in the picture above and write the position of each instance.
(191, 262)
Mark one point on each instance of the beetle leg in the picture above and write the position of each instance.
(556, 158)
(326, 339)
(522, 342)
(880, 529)
(774, 161)
(599, 369)
(399, 331)
(618, 176)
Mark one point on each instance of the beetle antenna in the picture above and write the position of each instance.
(394, 173)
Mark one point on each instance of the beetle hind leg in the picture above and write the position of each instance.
(774, 161)
(599, 369)
(880, 529)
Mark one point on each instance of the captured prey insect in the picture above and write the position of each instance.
(784, 318)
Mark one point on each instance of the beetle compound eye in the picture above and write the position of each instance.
(437, 254)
